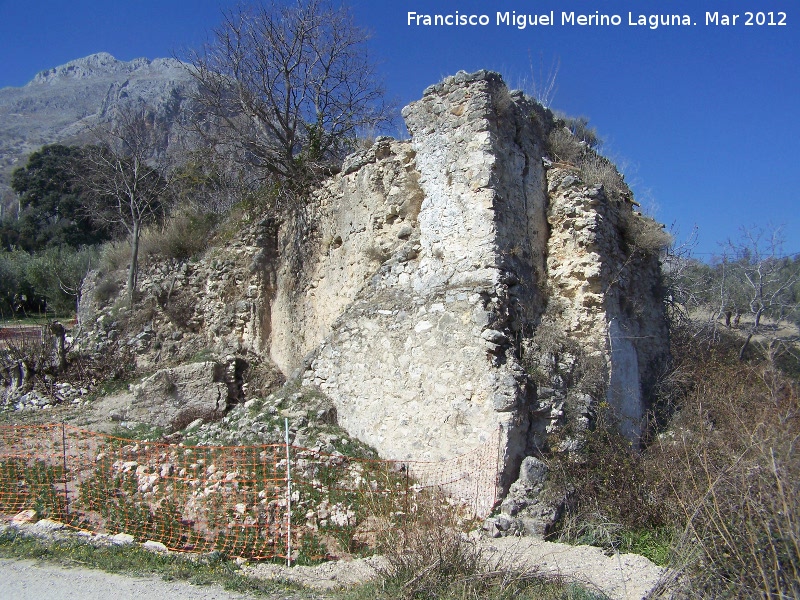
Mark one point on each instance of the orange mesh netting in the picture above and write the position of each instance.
(235, 500)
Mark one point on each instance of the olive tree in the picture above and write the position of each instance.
(287, 88)
(760, 283)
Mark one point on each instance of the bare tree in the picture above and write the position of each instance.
(287, 88)
(208, 183)
(683, 276)
(127, 185)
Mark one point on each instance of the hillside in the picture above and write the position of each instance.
(63, 104)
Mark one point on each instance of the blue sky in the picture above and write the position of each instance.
(704, 119)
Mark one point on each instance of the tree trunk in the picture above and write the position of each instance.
(134, 266)
(59, 334)
(745, 345)
(26, 375)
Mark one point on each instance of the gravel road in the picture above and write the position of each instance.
(32, 580)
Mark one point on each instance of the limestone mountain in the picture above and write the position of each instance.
(64, 103)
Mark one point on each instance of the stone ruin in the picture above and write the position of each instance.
(466, 288)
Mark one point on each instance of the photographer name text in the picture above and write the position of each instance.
(597, 19)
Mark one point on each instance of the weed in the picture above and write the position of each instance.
(25, 485)
(644, 234)
(377, 253)
(656, 544)
(183, 235)
(730, 465)
(138, 431)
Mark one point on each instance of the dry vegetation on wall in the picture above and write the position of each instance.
(572, 141)
(715, 493)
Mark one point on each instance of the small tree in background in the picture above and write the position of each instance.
(762, 285)
(126, 186)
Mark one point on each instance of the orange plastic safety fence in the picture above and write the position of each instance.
(234, 500)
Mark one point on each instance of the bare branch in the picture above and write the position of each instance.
(287, 88)
(126, 182)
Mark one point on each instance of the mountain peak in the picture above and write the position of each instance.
(62, 104)
(88, 66)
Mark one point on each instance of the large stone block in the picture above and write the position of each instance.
(175, 397)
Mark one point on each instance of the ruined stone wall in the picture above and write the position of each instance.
(363, 216)
(424, 362)
(422, 347)
(185, 309)
(605, 288)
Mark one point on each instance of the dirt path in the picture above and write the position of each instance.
(620, 577)
(31, 580)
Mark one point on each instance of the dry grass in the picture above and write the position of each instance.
(716, 492)
(645, 235)
(595, 169)
(430, 557)
(183, 235)
(729, 464)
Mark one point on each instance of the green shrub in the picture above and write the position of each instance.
(56, 274)
(14, 286)
(47, 280)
